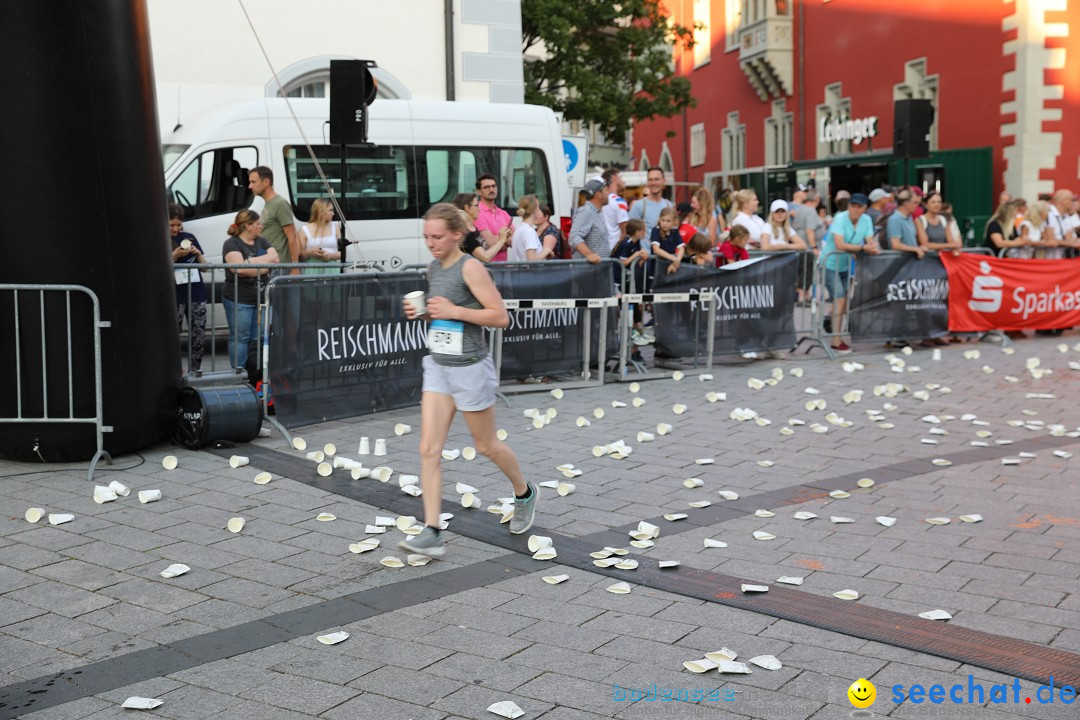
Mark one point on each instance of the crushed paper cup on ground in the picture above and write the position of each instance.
(333, 638)
(619, 588)
(548, 553)
(169, 462)
(762, 513)
(728, 666)
(699, 504)
(236, 524)
(971, 518)
(885, 520)
(263, 478)
(326, 517)
(762, 535)
(174, 570)
(865, 482)
(417, 560)
(935, 615)
(938, 520)
(149, 496)
(728, 494)
(699, 666)
(672, 517)
(747, 588)
(667, 564)
(555, 579)
(710, 543)
(374, 529)
(723, 654)
(846, 595)
(391, 562)
(141, 703)
(364, 546)
(839, 494)
(790, 580)
(804, 515)
(451, 454)
(769, 662)
(693, 483)
(704, 461)
(103, 494)
(507, 709)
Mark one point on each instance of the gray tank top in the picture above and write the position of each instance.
(936, 233)
(442, 334)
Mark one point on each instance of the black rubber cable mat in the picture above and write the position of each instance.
(1017, 658)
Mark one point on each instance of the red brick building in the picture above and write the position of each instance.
(774, 79)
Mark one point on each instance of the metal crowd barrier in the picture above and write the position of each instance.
(806, 313)
(57, 415)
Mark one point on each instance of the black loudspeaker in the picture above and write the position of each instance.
(352, 89)
(911, 128)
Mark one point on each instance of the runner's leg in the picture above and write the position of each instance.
(436, 414)
(482, 426)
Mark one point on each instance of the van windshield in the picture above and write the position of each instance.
(170, 153)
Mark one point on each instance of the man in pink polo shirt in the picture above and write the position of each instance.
(492, 221)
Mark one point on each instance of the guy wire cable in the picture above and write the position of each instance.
(307, 144)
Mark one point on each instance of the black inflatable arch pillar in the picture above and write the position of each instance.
(82, 182)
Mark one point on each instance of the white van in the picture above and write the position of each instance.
(422, 153)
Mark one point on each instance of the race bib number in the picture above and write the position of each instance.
(183, 277)
(445, 337)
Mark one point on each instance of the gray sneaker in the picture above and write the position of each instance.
(524, 511)
(426, 543)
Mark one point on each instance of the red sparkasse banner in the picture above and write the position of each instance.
(988, 293)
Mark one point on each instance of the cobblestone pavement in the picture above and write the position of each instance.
(86, 621)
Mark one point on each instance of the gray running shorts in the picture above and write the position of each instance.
(472, 386)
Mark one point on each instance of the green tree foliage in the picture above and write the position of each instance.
(608, 63)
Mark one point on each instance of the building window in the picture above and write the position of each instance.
(697, 144)
(308, 90)
(836, 107)
(733, 150)
(779, 134)
(644, 164)
(732, 20)
(918, 85)
(702, 32)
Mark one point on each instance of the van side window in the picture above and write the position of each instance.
(447, 171)
(215, 182)
(380, 181)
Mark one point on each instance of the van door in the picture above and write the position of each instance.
(212, 188)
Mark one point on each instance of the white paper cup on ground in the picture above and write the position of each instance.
(120, 488)
(34, 514)
(645, 436)
(380, 447)
(538, 542)
(678, 408)
(359, 473)
(325, 469)
(365, 446)
(417, 301)
(468, 500)
(169, 462)
(238, 461)
(469, 453)
(263, 478)
(236, 524)
(103, 494)
(402, 429)
(381, 473)
(316, 456)
(264, 432)
(299, 443)
(149, 496)
(565, 488)
(60, 518)
(330, 449)
(174, 570)
(501, 434)
(663, 429)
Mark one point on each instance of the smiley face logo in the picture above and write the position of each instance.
(862, 693)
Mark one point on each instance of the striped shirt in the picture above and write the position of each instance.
(589, 228)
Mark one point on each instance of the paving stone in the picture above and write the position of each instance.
(300, 694)
(27, 557)
(81, 574)
(393, 652)
(228, 676)
(153, 595)
(61, 599)
(74, 710)
(107, 555)
(472, 702)
(12, 611)
(418, 688)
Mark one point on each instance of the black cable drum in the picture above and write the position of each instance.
(209, 414)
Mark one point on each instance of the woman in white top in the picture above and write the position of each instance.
(743, 208)
(318, 242)
(1036, 231)
(781, 235)
(526, 245)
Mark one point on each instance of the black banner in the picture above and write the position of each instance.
(899, 297)
(340, 346)
(756, 309)
(549, 340)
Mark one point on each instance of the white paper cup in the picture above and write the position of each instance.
(359, 473)
(169, 462)
(120, 488)
(402, 429)
(149, 496)
(344, 462)
(381, 473)
(34, 514)
(365, 446)
(330, 449)
(185, 244)
(678, 408)
(663, 429)
(565, 488)
(417, 301)
(236, 524)
(582, 422)
(643, 437)
(557, 393)
(316, 456)
(103, 494)
(380, 447)
(468, 500)
(469, 453)
(238, 461)
(325, 469)
(263, 478)
(406, 480)
(501, 434)
(538, 542)
(264, 432)
(299, 443)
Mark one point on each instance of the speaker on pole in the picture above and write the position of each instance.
(352, 89)
(911, 128)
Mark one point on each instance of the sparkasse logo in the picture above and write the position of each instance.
(986, 291)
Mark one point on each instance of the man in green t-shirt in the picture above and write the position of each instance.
(277, 216)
